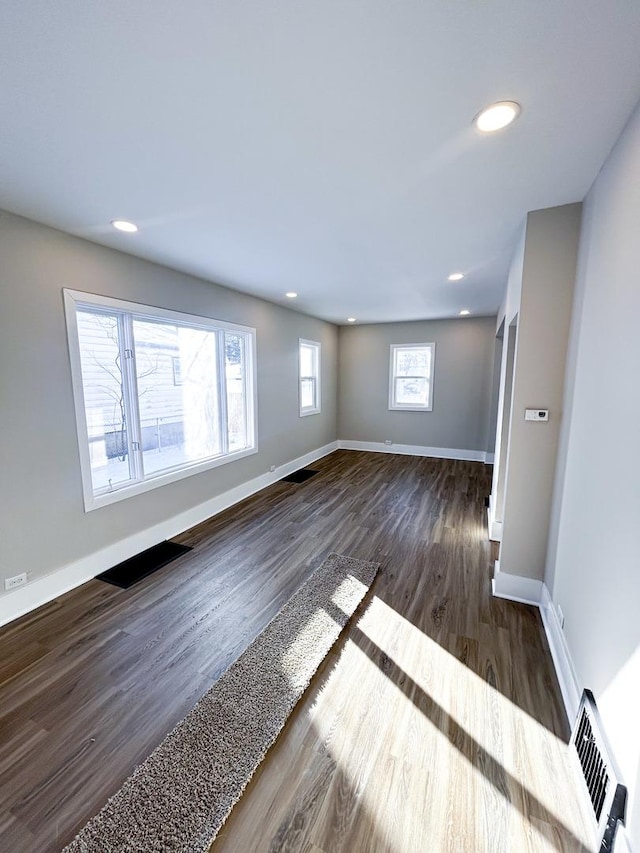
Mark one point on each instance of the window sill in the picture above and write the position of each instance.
(410, 408)
(92, 501)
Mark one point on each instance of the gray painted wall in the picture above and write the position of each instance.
(43, 523)
(462, 384)
(593, 567)
(544, 317)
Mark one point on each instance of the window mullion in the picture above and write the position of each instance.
(314, 378)
(248, 366)
(130, 390)
(223, 422)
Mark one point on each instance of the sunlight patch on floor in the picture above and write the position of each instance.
(357, 731)
(451, 743)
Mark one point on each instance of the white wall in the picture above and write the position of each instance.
(505, 322)
(43, 526)
(495, 395)
(593, 561)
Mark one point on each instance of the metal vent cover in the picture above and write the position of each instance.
(607, 795)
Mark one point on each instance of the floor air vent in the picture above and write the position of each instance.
(608, 797)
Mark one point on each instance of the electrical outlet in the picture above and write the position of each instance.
(536, 414)
(14, 582)
(388, 442)
(272, 468)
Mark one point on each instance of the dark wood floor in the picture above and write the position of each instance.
(435, 724)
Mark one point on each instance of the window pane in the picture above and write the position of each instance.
(413, 362)
(179, 421)
(306, 360)
(307, 393)
(104, 402)
(234, 359)
(412, 392)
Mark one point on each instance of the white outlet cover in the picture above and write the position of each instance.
(16, 581)
(536, 414)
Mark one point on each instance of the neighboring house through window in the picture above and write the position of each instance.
(159, 395)
(177, 376)
(309, 377)
(411, 377)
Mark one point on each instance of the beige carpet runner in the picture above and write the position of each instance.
(178, 799)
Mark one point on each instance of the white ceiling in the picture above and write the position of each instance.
(322, 146)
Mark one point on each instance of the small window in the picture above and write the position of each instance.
(159, 395)
(411, 377)
(309, 373)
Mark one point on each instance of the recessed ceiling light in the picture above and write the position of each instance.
(291, 294)
(497, 116)
(464, 312)
(123, 225)
(351, 319)
(456, 276)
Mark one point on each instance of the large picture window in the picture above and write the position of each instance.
(411, 377)
(159, 395)
(309, 377)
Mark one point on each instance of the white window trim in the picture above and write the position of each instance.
(315, 409)
(75, 298)
(393, 406)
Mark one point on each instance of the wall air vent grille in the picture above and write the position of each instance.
(606, 794)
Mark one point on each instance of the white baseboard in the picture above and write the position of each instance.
(537, 593)
(414, 450)
(45, 589)
(530, 591)
(495, 527)
(516, 588)
(565, 670)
